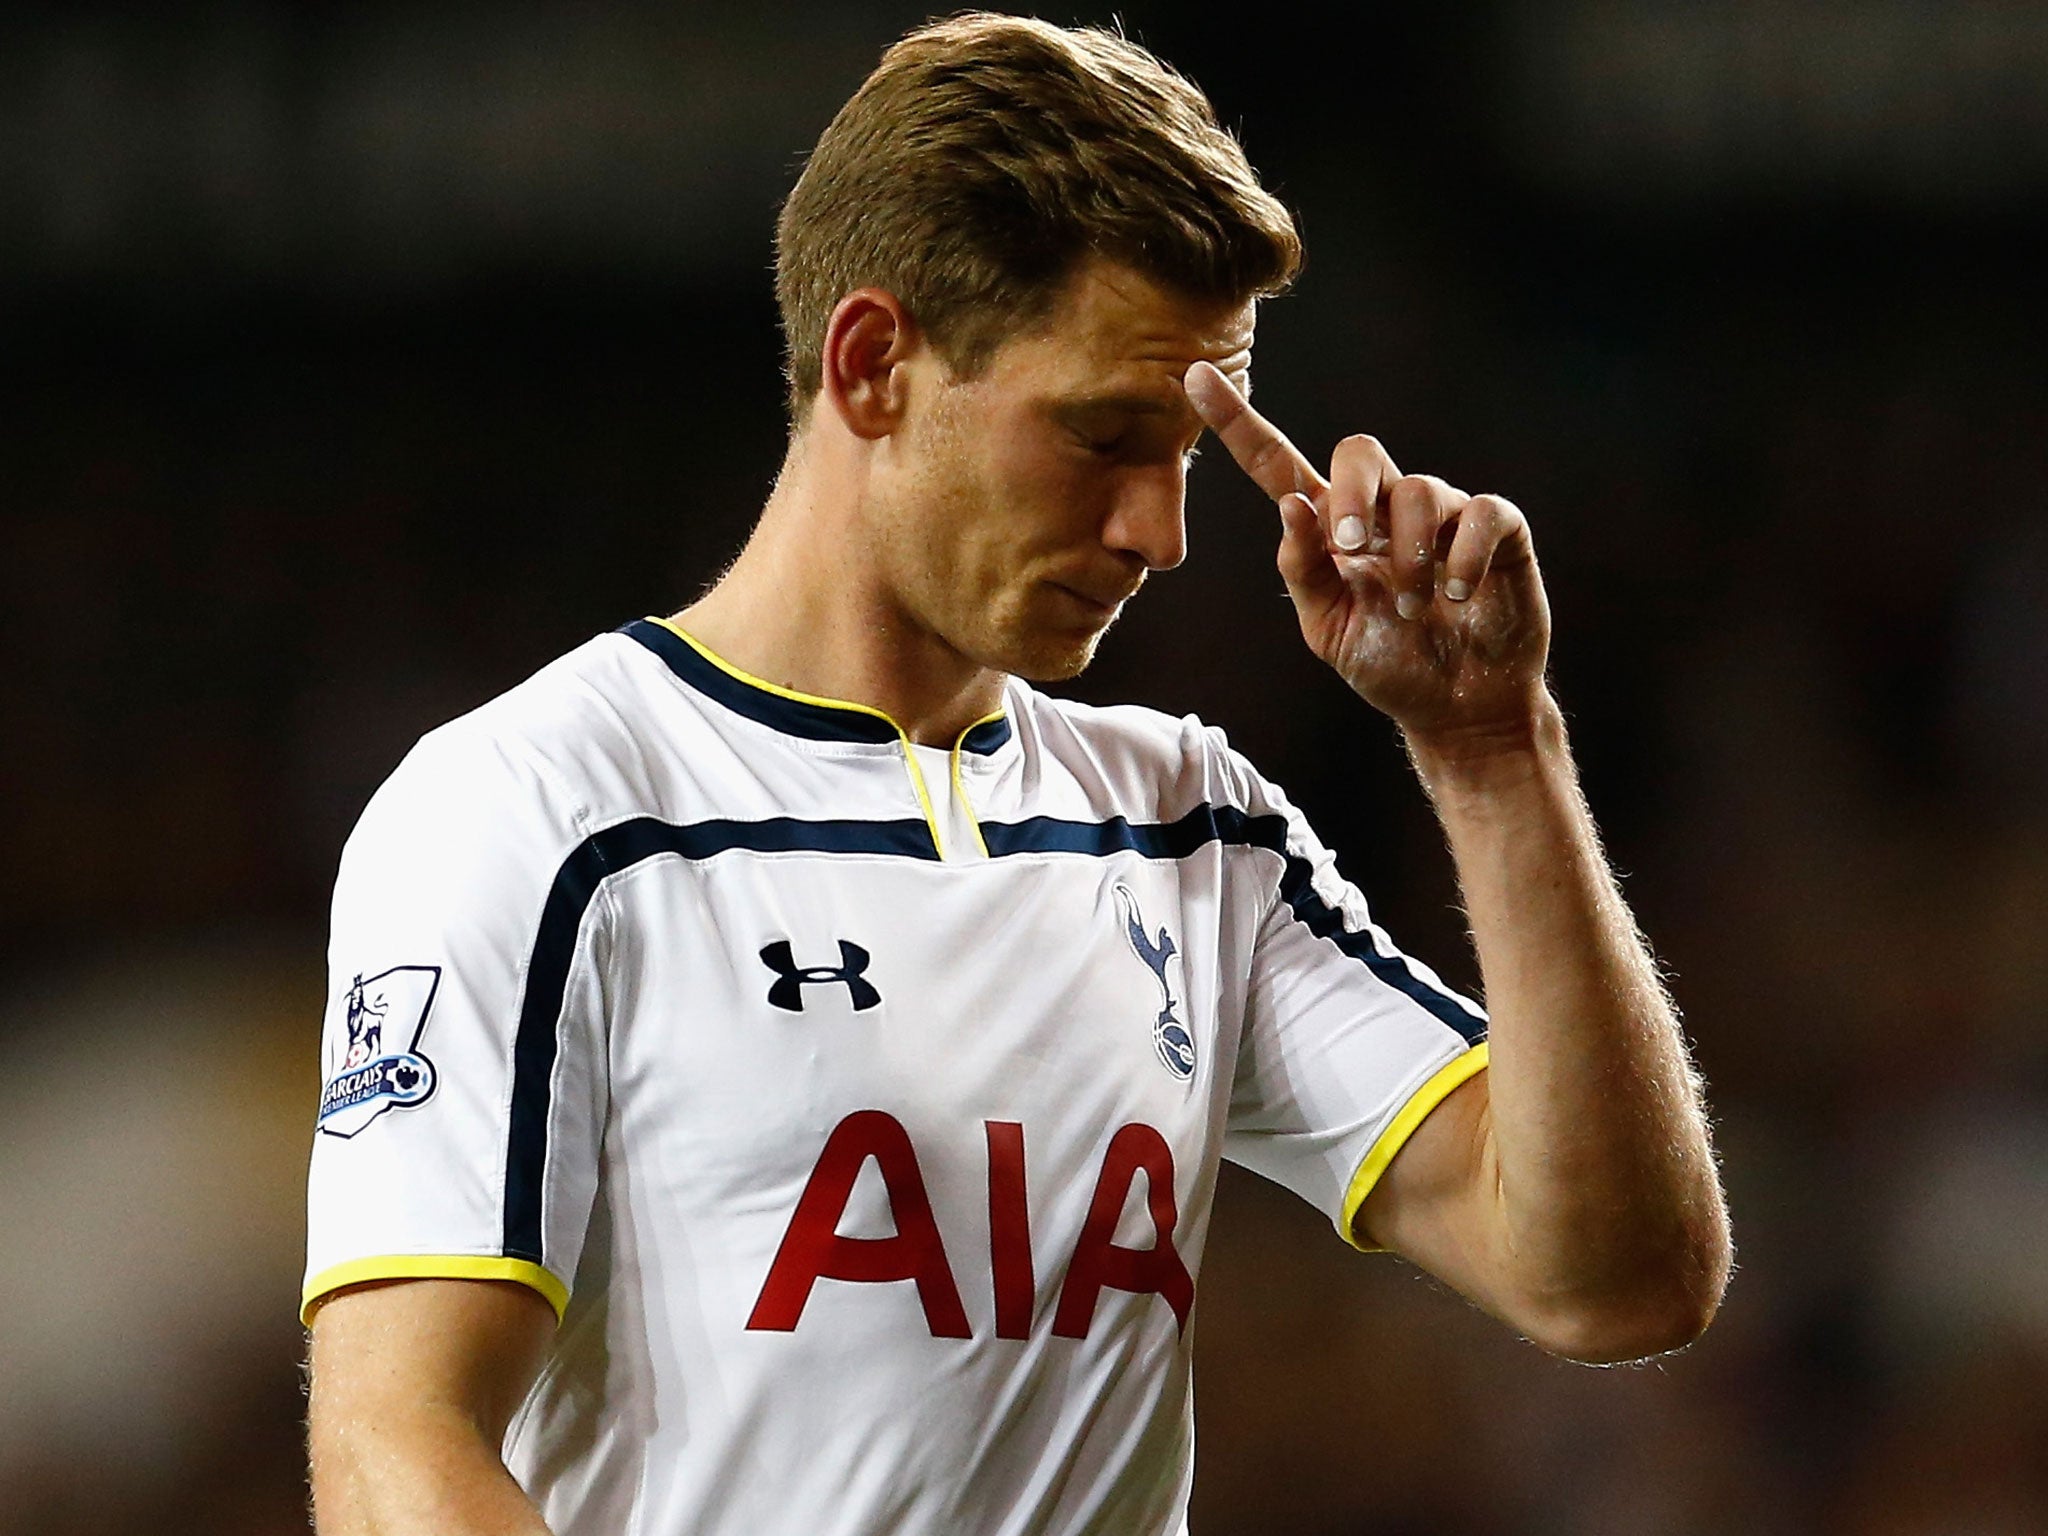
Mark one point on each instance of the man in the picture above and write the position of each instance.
(800, 1052)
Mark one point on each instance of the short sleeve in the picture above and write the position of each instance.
(463, 1081)
(1348, 1043)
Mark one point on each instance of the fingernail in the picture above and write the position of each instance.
(1350, 532)
(1457, 590)
(1408, 605)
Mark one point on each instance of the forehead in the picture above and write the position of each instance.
(1114, 327)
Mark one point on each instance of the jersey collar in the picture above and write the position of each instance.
(784, 709)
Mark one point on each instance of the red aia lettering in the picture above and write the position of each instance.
(812, 1248)
(1098, 1261)
(1009, 1230)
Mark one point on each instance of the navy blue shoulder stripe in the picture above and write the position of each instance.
(597, 857)
(1390, 965)
(1152, 839)
(1227, 824)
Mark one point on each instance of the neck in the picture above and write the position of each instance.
(803, 608)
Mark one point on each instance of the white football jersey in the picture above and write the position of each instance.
(857, 1105)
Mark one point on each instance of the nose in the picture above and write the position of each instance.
(1148, 517)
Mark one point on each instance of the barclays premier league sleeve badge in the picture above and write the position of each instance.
(373, 1062)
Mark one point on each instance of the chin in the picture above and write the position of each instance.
(1024, 640)
(1055, 669)
(1049, 658)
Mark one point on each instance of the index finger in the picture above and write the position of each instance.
(1260, 448)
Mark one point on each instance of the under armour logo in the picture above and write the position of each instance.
(787, 992)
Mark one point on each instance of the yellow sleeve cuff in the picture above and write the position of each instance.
(432, 1266)
(1424, 1099)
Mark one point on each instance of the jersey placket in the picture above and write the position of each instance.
(957, 809)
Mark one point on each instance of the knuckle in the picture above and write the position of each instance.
(1413, 495)
(1447, 495)
(1481, 514)
(1359, 447)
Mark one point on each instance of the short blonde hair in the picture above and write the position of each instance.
(985, 157)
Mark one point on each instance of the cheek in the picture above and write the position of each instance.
(1047, 497)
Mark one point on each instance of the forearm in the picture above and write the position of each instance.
(413, 1470)
(1608, 1221)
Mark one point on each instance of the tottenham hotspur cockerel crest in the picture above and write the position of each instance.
(1171, 1040)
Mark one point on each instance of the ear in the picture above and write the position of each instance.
(867, 341)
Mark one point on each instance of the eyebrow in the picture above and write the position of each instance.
(1150, 406)
(1144, 405)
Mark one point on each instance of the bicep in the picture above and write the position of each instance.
(1437, 1204)
(413, 1383)
(474, 1345)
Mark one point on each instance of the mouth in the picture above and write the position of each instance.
(1102, 607)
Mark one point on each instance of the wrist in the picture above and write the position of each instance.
(1494, 754)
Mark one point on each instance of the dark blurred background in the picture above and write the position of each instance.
(355, 361)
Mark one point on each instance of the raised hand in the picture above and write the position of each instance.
(1426, 601)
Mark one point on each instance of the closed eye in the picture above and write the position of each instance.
(1135, 431)
(1119, 446)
